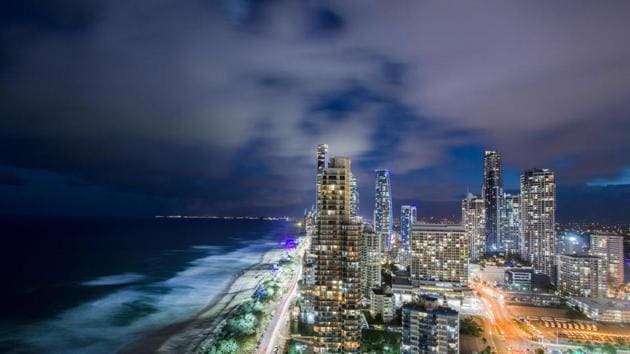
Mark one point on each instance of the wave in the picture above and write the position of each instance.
(118, 279)
(109, 323)
(207, 247)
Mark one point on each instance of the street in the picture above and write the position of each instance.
(272, 336)
(505, 334)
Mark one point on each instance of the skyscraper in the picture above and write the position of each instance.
(322, 162)
(322, 158)
(383, 213)
(370, 260)
(439, 253)
(538, 210)
(354, 196)
(336, 292)
(474, 221)
(610, 249)
(491, 192)
(510, 223)
(428, 327)
(408, 217)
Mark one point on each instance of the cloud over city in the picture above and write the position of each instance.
(217, 106)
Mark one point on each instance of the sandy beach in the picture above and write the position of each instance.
(192, 335)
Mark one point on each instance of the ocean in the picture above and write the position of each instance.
(93, 286)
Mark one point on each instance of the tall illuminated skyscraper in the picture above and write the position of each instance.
(354, 196)
(510, 224)
(538, 208)
(337, 271)
(408, 217)
(474, 221)
(491, 192)
(383, 213)
(322, 162)
(610, 249)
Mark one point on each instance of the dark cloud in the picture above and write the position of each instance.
(10, 178)
(53, 15)
(326, 22)
(217, 105)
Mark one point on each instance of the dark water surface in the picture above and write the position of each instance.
(92, 286)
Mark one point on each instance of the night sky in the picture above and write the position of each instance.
(136, 108)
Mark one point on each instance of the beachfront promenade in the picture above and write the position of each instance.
(197, 333)
(272, 336)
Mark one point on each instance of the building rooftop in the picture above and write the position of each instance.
(420, 306)
(585, 256)
(401, 281)
(383, 291)
(520, 270)
(438, 227)
(605, 304)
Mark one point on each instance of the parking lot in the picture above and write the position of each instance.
(552, 324)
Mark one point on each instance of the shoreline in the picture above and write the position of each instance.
(189, 335)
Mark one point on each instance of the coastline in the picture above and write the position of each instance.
(190, 335)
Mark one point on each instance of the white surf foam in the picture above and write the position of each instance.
(118, 279)
(108, 323)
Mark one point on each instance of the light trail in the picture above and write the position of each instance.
(272, 333)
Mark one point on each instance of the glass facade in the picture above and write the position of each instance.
(491, 192)
(408, 217)
(383, 213)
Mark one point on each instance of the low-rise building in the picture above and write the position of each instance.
(539, 299)
(519, 279)
(604, 310)
(491, 274)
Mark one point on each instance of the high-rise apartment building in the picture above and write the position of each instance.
(491, 192)
(510, 224)
(370, 260)
(429, 328)
(538, 218)
(336, 292)
(354, 196)
(610, 249)
(383, 212)
(408, 217)
(474, 221)
(581, 276)
(382, 303)
(322, 162)
(439, 253)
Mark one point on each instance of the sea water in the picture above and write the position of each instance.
(93, 286)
